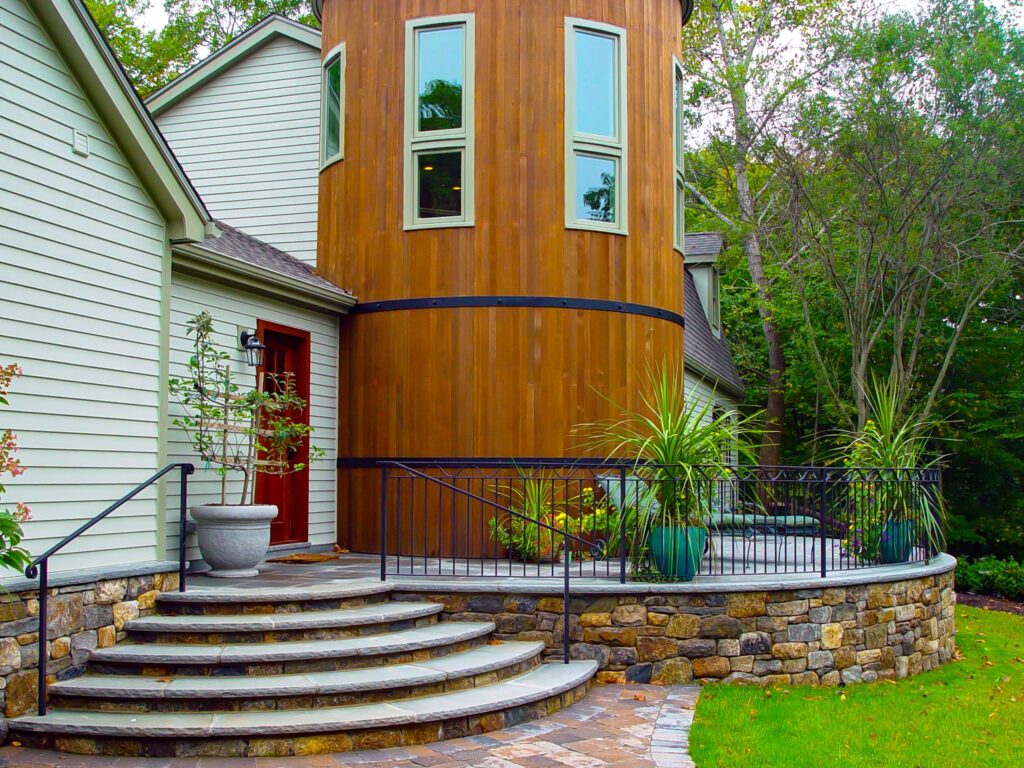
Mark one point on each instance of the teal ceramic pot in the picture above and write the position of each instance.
(678, 551)
(897, 541)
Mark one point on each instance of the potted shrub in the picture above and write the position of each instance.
(535, 500)
(12, 554)
(237, 430)
(679, 450)
(886, 459)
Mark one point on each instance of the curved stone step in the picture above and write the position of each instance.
(341, 622)
(302, 731)
(340, 593)
(153, 656)
(477, 666)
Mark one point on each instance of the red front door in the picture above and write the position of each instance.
(287, 351)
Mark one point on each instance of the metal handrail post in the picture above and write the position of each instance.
(44, 627)
(384, 523)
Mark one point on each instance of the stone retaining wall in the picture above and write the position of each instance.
(827, 636)
(81, 617)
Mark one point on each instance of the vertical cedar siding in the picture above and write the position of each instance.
(494, 381)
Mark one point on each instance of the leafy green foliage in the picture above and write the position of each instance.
(238, 429)
(12, 555)
(195, 28)
(992, 576)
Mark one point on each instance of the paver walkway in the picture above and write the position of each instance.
(634, 726)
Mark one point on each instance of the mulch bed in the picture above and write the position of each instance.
(990, 603)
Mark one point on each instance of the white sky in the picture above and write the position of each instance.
(154, 17)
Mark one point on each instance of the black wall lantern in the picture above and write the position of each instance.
(253, 348)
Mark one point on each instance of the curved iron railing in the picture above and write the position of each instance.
(445, 517)
(39, 567)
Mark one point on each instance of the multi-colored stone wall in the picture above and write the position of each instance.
(81, 617)
(827, 636)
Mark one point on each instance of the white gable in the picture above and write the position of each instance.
(249, 141)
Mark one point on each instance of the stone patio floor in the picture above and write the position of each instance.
(632, 726)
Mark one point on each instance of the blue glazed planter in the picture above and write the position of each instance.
(897, 541)
(677, 552)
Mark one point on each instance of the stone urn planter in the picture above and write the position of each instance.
(233, 538)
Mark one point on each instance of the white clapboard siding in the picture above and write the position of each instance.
(81, 265)
(249, 140)
(232, 309)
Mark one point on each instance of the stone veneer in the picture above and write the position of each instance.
(824, 636)
(82, 616)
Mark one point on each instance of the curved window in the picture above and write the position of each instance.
(595, 125)
(678, 154)
(439, 122)
(332, 107)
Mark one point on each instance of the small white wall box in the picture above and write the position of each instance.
(80, 144)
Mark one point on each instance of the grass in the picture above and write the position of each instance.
(966, 713)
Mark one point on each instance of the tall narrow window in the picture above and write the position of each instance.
(332, 107)
(439, 122)
(595, 126)
(677, 153)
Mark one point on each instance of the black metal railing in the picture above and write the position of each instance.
(40, 565)
(546, 532)
(519, 518)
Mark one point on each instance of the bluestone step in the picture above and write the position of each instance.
(332, 590)
(372, 645)
(539, 684)
(488, 658)
(337, 618)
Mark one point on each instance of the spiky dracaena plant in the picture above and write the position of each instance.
(679, 447)
(888, 455)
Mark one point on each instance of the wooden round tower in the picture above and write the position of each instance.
(500, 193)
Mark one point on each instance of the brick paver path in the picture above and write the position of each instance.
(633, 726)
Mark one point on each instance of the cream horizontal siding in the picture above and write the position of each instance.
(249, 140)
(81, 265)
(232, 309)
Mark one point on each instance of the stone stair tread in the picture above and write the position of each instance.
(464, 664)
(333, 618)
(369, 645)
(328, 590)
(535, 685)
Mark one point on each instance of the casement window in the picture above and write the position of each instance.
(677, 154)
(439, 65)
(332, 107)
(596, 181)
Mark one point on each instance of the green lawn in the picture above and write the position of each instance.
(966, 714)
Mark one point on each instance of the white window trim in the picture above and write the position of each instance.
(462, 139)
(678, 160)
(597, 146)
(338, 52)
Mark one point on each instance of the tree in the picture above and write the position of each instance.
(742, 76)
(903, 193)
(195, 29)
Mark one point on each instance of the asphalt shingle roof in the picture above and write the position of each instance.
(703, 245)
(238, 245)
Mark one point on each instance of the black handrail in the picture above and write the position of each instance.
(40, 566)
(566, 536)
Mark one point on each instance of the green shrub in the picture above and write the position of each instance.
(991, 576)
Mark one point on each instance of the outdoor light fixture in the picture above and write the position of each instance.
(253, 348)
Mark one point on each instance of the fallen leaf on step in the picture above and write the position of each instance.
(639, 697)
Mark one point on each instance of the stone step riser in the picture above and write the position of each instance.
(281, 667)
(342, 741)
(265, 703)
(260, 608)
(279, 635)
